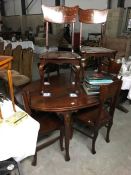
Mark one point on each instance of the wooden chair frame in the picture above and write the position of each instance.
(43, 132)
(101, 115)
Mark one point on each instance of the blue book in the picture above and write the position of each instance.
(102, 81)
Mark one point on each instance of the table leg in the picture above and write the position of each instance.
(67, 123)
(41, 72)
(11, 88)
(0, 113)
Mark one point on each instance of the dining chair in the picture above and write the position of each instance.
(60, 15)
(1, 48)
(8, 50)
(101, 115)
(22, 72)
(17, 55)
(26, 64)
(49, 122)
(110, 67)
(94, 16)
(18, 77)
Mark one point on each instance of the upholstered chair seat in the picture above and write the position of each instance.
(18, 79)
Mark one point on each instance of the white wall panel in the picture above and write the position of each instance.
(13, 7)
(99, 4)
(35, 7)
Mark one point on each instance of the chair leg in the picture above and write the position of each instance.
(34, 162)
(61, 139)
(58, 70)
(108, 132)
(71, 72)
(94, 141)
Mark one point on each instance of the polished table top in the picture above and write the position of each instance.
(62, 96)
(5, 60)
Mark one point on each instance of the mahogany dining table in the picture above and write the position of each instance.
(61, 97)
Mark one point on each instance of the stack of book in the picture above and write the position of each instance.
(91, 89)
(98, 79)
(92, 83)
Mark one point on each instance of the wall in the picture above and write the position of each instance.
(35, 7)
(14, 18)
(13, 7)
(13, 22)
(100, 4)
(127, 3)
(91, 4)
(114, 22)
(114, 3)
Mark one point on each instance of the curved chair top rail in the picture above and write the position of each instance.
(60, 14)
(92, 16)
(1, 45)
(9, 46)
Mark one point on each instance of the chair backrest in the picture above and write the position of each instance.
(8, 50)
(114, 68)
(92, 16)
(26, 101)
(108, 98)
(27, 62)
(17, 56)
(60, 15)
(1, 48)
(111, 67)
